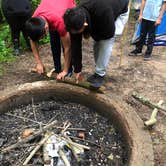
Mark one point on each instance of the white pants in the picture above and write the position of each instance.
(102, 53)
(103, 48)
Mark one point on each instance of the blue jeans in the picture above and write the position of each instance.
(102, 54)
(56, 51)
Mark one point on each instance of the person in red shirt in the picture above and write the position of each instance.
(48, 17)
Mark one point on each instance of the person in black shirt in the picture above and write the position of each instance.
(97, 19)
(17, 12)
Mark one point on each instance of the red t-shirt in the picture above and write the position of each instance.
(52, 11)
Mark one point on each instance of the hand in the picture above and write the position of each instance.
(40, 68)
(140, 18)
(158, 22)
(79, 77)
(61, 76)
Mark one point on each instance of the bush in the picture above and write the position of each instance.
(5, 44)
(77, 1)
(35, 3)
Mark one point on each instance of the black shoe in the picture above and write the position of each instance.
(135, 52)
(96, 80)
(147, 57)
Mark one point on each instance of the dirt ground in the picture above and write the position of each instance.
(133, 75)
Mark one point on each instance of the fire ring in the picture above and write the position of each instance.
(138, 140)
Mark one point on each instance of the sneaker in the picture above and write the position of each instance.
(96, 80)
(147, 57)
(135, 52)
(69, 74)
(16, 52)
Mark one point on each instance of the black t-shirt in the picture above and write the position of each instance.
(101, 16)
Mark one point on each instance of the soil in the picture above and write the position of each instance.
(147, 78)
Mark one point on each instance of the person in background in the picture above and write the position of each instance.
(48, 18)
(151, 13)
(97, 19)
(17, 12)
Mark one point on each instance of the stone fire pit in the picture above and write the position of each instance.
(138, 141)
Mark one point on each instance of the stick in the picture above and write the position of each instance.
(64, 158)
(23, 118)
(148, 103)
(73, 150)
(46, 157)
(34, 70)
(76, 144)
(76, 129)
(66, 126)
(82, 84)
(153, 116)
(53, 118)
(27, 139)
(70, 128)
(36, 149)
(49, 74)
(124, 34)
(86, 141)
(72, 144)
(33, 108)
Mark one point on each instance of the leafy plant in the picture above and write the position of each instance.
(77, 1)
(35, 3)
(5, 44)
(44, 40)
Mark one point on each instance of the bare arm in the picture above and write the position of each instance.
(141, 10)
(39, 65)
(67, 56)
(163, 8)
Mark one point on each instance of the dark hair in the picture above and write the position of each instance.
(35, 28)
(74, 18)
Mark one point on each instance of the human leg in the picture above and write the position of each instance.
(141, 42)
(102, 53)
(56, 50)
(151, 38)
(26, 38)
(15, 33)
(24, 32)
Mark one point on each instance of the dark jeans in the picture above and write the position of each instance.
(56, 51)
(147, 27)
(17, 25)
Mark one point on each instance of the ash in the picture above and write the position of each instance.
(107, 147)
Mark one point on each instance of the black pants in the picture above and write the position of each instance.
(56, 51)
(124, 4)
(17, 25)
(147, 28)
